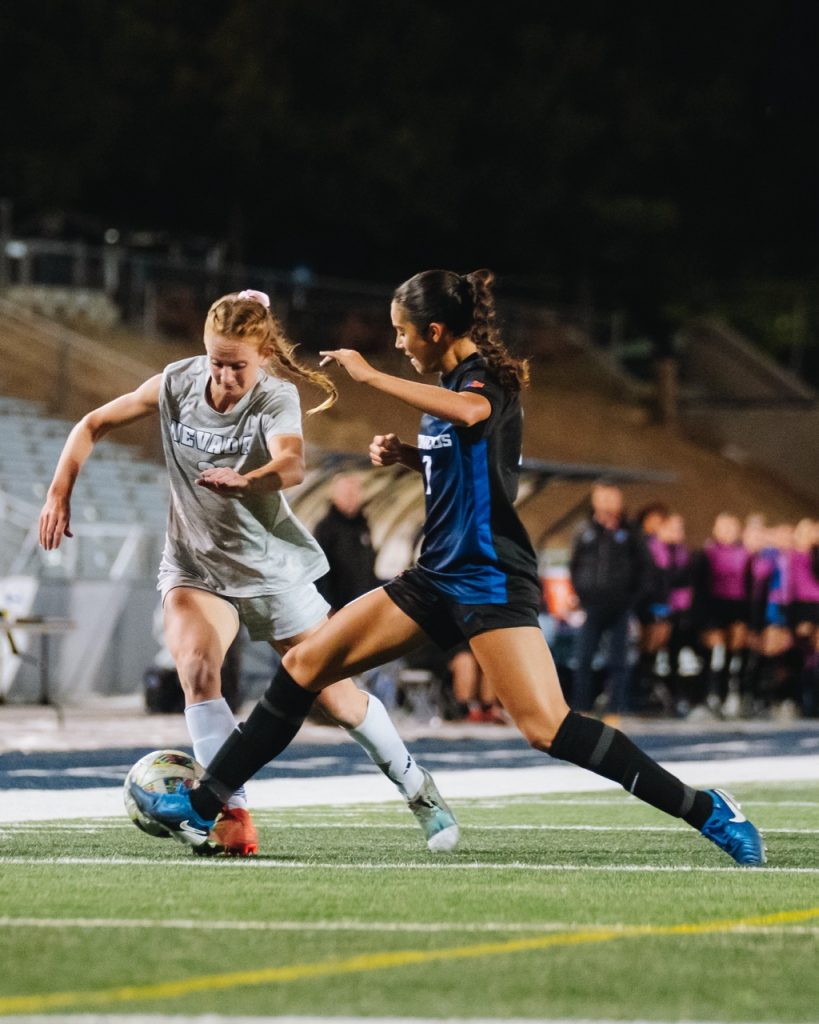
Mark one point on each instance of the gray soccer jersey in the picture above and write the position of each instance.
(239, 547)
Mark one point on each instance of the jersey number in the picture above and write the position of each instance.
(426, 462)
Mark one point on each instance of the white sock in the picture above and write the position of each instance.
(378, 736)
(210, 723)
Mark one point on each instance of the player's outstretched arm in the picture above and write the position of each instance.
(55, 517)
(461, 408)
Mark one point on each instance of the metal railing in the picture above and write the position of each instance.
(164, 295)
(105, 550)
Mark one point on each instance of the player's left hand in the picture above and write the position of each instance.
(224, 480)
(353, 362)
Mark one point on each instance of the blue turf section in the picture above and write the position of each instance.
(84, 769)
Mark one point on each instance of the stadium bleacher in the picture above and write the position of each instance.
(119, 507)
(117, 487)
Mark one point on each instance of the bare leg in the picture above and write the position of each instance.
(519, 664)
(343, 702)
(363, 634)
(366, 719)
(199, 629)
(466, 677)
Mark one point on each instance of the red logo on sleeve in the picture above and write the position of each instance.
(475, 384)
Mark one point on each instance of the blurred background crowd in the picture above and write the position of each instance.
(725, 630)
(639, 621)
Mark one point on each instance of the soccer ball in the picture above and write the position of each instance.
(158, 772)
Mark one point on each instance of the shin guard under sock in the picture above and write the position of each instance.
(271, 726)
(605, 751)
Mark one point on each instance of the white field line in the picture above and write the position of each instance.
(40, 829)
(422, 927)
(106, 802)
(189, 924)
(261, 864)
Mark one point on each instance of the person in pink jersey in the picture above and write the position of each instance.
(760, 570)
(685, 694)
(723, 567)
(804, 610)
(803, 566)
(772, 638)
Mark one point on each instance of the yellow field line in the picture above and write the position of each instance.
(377, 962)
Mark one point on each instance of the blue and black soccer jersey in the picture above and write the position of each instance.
(475, 547)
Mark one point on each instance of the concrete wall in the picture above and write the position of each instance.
(718, 363)
(784, 442)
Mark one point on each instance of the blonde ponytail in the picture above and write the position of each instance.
(247, 315)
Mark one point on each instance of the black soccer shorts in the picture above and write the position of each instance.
(447, 622)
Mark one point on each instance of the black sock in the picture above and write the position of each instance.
(718, 681)
(793, 661)
(810, 686)
(590, 744)
(645, 678)
(750, 674)
(746, 659)
(271, 726)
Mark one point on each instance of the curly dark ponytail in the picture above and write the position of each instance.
(466, 305)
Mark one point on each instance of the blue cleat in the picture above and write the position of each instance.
(174, 812)
(731, 831)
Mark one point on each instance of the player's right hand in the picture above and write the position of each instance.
(385, 450)
(55, 520)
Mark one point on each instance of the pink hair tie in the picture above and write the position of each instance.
(254, 296)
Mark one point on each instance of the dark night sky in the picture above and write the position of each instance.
(616, 148)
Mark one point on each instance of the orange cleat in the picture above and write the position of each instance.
(234, 833)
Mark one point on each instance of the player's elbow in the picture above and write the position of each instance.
(293, 474)
(93, 425)
(468, 420)
(473, 409)
(461, 421)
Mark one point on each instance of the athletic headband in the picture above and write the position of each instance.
(253, 296)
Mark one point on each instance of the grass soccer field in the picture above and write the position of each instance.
(579, 906)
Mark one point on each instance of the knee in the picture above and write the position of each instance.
(539, 731)
(303, 663)
(199, 674)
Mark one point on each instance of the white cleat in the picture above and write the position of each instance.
(435, 818)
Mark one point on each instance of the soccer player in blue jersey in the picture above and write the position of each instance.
(475, 579)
